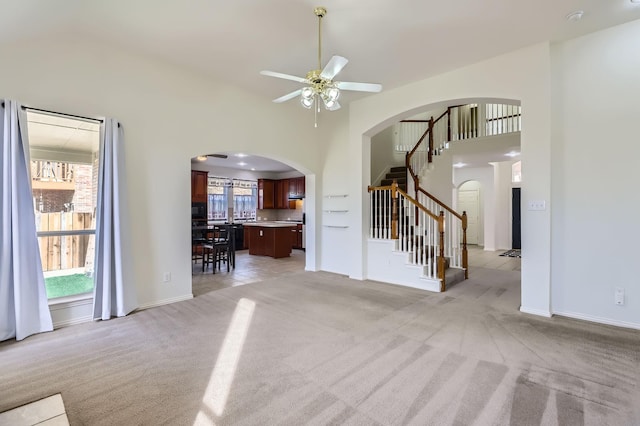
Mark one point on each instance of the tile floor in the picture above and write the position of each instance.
(251, 269)
(45, 412)
(51, 412)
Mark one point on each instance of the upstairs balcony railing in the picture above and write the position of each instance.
(52, 175)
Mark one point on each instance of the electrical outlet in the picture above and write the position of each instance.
(619, 296)
(537, 205)
(166, 277)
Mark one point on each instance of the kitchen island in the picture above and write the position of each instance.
(270, 238)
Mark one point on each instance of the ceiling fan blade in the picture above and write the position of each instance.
(333, 67)
(285, 76)
(288, 96)
(360, 87)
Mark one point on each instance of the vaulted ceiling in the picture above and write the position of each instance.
(387, 42)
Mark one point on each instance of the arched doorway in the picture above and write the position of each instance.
(244, 193)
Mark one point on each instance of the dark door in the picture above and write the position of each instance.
(515, 219)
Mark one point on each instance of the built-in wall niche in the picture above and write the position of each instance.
(335, 211)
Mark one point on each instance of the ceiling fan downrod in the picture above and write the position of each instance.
(320, 13)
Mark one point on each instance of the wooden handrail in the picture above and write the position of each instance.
(379, 188)
(426, 132)
(420, 206)
(440, 203)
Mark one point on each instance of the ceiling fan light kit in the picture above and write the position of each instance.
(320, 87)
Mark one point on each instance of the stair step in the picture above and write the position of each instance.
(453, 276)
(398, 169)
(396, 175)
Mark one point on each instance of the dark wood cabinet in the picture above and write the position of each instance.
(275, 194)
(270, 241)
(282, 194)
(199, 186)
(296, 237)
(296, 187)
(266, 194)
(246, 238)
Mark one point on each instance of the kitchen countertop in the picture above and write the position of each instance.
(268, 224)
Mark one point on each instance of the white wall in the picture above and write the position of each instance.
(595, 175)
(521, 75)
(502, 213)
(437, 179)
(169, 116)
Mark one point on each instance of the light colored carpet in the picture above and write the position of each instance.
(318, 348)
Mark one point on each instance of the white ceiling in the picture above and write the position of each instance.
(388, 42)
(243, 161)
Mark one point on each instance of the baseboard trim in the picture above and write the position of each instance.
(598, 320)
(165, 302)
(68, 306)
(74, 321)
(538, 312)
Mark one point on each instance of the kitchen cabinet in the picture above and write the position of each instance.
(245, 239)
(282, 194)
(270, 239)
(266, 194)
(276, 194)
(296, 187)
(296, 237)
(199, 186)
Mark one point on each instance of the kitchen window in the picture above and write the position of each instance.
(245, 199)
(218, 198)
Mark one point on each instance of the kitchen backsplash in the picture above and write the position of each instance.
(280, 214)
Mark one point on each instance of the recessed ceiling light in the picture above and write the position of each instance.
(512, 154)
(458, 165)
(201, 158)
(575, 16)
(242, 163)
(241, 155)
(253, 169)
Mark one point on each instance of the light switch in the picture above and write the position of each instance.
(537, 205)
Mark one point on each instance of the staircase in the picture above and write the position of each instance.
(415, 238)
(399, 174)
(427, 238)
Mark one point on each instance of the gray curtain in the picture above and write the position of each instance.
(114, 291)
(23, 299)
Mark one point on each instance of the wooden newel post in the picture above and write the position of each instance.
(441, 260)
(394, 210)
(465, 254)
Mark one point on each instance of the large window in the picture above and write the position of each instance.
(245, 199)
(64, 170)
(236, 198)
(218, 198)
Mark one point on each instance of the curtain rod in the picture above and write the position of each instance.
(62, 114)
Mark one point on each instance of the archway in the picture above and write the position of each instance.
(243, 191)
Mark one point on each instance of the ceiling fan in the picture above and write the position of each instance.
(320, 84)
(204, 157)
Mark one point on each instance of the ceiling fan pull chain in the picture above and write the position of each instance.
(315, 114)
